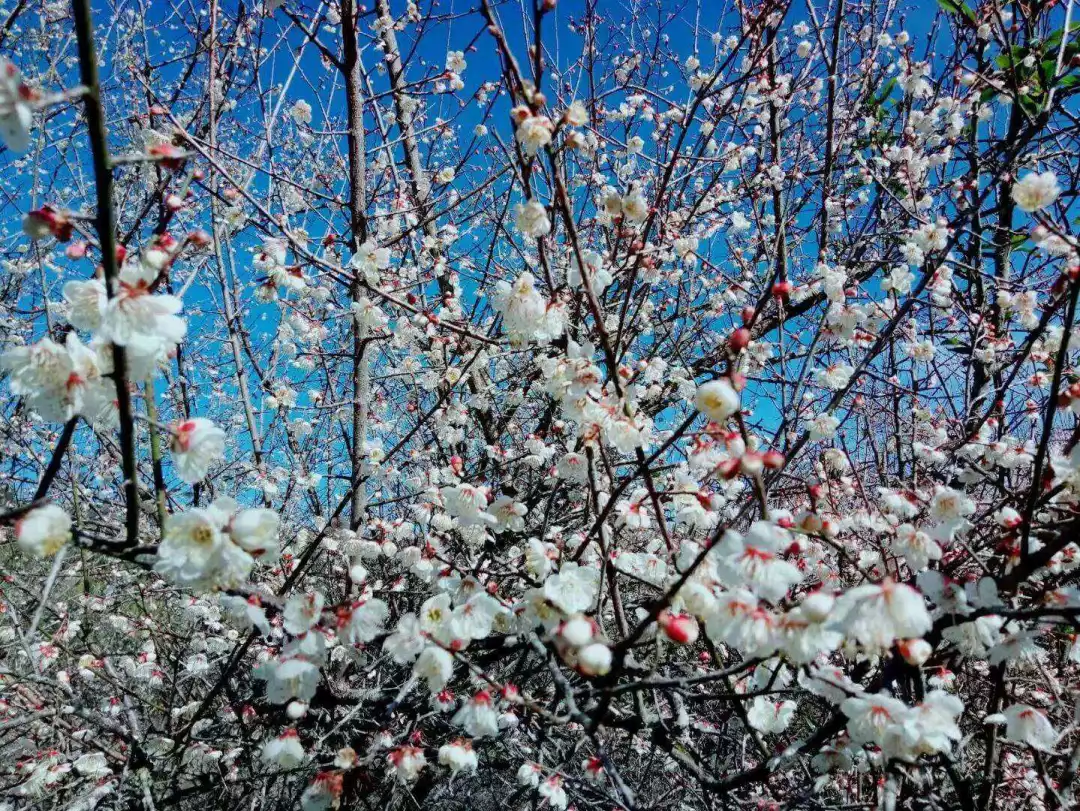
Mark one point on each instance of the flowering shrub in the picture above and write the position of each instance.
(405, 407)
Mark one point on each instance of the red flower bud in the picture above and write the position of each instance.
(681, 628)
(774, 460)
(739, 340)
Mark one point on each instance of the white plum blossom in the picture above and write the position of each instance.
(140, 318)
(717, 400)
(527, 315)
(1036, 191)
(824, 426)
(1027, 725)
(875, 615)
(407, 641)
(60, 381)
(834, 377)
(574, 588)
(478, 717)
(754, 560)
(16, 114)
(255, 530)
(196, 445)
(197, 552)
(284, 751)
(435, 666)
(302, 611)
(770, 717)
(369, 259)
(43, 531)
(86, 303)
(293, 678)
(407, 762)
(531, 219)
(455, 61)
(363, 621)
(458, 756)
(534, 133)
(553, 792)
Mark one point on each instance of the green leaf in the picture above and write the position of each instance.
(1011, 58)
(954, 7)
(1054, 40)
(886, 91)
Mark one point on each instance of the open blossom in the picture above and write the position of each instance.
(435, 666)
(255, 530)
(285, 751)
(16, 115)
(717, 400)
(458, 756)
(301, 112)
(871, 716)
(287, 679)
(43, 531)
(528, 774)
(139, 317)
(635, 207)
(834, 377)
(916, 547)
(475, 618)
(190, 546)
(196, 552)
(740, 620)
(824, 426)
(369, 259)
(1036, 191)
(407, 640)
(754, 561)
(527, 314)
(804, 632)
(196, 444)
(531, 219)
(477, 716)
(407, 762)
(596, 272)
(1027, 725)
(363, 621)
(86, 302)
(951, 506)
(509, 514)
(875, 615)
(770, 717)
(368, 314)
(467, 503)
(576, 114)
(302, 611)
(455, 61)
(553, 792)
(60, 381)
(574, 588)
(935, 720)
(534, 133)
